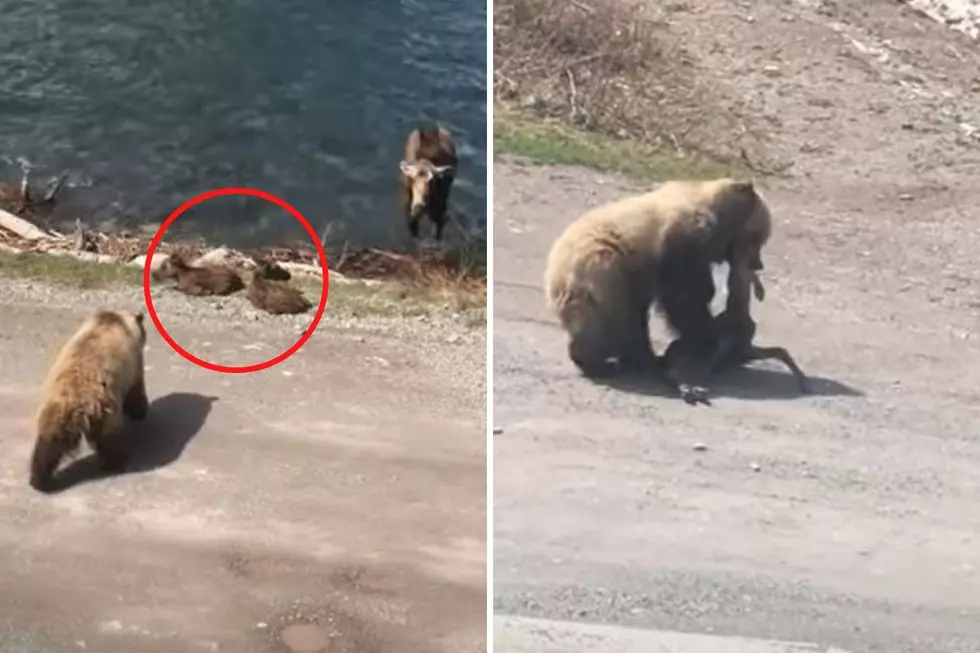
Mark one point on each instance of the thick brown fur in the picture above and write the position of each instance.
(736, 330)
(276, 297)
(655, 249)
(203, 280)
(427, 171)
(96, 381)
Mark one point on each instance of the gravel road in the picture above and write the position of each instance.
(844, 519)
(338, 495)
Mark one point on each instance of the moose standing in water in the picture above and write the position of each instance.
(428, 169)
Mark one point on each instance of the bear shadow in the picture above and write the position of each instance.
(154, 442)
(746, 382)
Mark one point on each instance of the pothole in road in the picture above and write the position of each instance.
(305, 638)
(308, 627)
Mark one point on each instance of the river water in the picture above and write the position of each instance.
(146, 104)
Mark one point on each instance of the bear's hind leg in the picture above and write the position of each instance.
(104, 437)
(59, 433)
(135, 404)
(49, 449)
(110, 451)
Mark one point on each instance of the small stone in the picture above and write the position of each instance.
(700, 446)
(755, 467)
(771, 70)
(453, 339)
(261, 625)
(905, 197)
(497, 430)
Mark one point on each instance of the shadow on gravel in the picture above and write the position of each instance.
(761, 383)
(743, 383)
(155, 442)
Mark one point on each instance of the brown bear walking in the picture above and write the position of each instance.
(96, 380)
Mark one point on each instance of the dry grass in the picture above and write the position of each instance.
(456, 275)
(391, 297)
(609, 66)
(67, 270)
(550, 141)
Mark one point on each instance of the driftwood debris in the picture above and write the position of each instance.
(82, 240)
(22, 201)
(370, 267)
(21, 227)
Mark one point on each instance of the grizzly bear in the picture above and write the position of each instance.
(95, 381)
(203, 280)
(275, 297)
(613, 263)
(428, 169)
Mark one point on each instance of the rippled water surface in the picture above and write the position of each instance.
(147, 104)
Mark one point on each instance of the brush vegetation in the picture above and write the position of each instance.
(606, 84)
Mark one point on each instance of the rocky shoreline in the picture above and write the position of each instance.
(21, 235)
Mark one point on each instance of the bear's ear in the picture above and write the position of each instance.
(139, 316)
(744, 186)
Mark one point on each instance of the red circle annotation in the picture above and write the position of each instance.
(236, 369)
